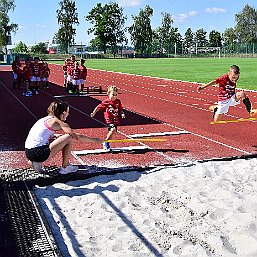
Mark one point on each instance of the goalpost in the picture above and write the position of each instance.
(208, 51)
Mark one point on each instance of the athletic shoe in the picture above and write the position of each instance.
(253, 112)
(37, 167)
(68, 169)
(28, 94)
(37, 93)
(106, 146)
(81, 92)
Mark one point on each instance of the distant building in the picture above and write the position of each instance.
(78, 49)
(53, 47)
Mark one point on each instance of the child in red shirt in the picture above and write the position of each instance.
(36, 71)
(17, 73)
(112, 108)
(26, 78)
(75, 75)
(227, 93)
(83, 75)
(45, 75)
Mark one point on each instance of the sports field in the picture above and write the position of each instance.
(173, 110)
(200, 70)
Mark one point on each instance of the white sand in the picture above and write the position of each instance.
(197, 209)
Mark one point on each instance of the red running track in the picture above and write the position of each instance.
(152, 105)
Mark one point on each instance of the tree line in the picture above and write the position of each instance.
(108, 27)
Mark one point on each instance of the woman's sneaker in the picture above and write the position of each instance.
(106, 146)
(37, 167)
(68, 169)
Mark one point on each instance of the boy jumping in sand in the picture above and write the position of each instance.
(227, 93)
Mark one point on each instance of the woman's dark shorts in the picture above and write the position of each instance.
(38, 154)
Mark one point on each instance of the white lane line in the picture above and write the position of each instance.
(24, 106)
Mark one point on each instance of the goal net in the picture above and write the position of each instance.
(208, 52)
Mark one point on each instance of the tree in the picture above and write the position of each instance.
(39, 48)
(20, 48)
(215, 39)
(166, 38)
(188, 41)
(165, 31)
(141, 30)
(108, 26)
(5, 26)
(200, 38)
(246, 25)
(175, 40)
(229, 36)
(67, 17)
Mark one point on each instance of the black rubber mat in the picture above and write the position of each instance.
(24, 232)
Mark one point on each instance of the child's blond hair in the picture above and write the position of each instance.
(112, 89)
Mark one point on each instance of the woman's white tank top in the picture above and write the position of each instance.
(39, 134)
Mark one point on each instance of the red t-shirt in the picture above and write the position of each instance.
(227, 88)
(26, 72)
(70, 66)
(111, 110)
(64, 68)
(36, 70)
(16, 67)
(83, 72)
(75, 73)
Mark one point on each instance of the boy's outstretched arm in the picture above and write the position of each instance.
(92, 114)
(212, 83)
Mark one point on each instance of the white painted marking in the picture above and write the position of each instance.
(171, 133)
(122, 149)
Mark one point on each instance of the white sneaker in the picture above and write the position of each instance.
(68, 169)
(37, 167)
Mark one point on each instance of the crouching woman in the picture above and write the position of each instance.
(42, 144)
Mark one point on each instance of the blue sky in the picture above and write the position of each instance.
(37, 19)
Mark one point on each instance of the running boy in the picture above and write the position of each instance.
(227, 93)
(42, 143)
(112, 108)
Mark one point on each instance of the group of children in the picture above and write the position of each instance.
(32, 76)
(41, 143)
(75, 74)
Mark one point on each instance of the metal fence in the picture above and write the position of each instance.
(238, 50)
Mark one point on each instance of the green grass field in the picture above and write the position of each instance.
(194, 70)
